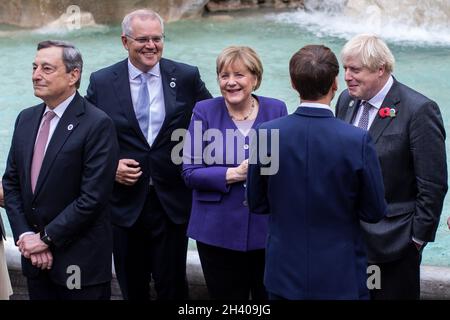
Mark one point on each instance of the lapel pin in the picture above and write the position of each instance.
(172, 84)
(70, 127)
(351, 103)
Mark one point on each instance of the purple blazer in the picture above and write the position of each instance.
(220, 215)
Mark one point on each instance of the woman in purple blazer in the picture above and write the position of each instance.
(230, 239)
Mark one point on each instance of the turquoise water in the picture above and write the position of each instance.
(425, 67)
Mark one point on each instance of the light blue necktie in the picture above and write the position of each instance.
(143, 105)
(364, 120)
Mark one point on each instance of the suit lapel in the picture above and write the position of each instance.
(352, 108)
(121, 84)
(66, 125)
(29, 148)
(379, 124)
(169, 84)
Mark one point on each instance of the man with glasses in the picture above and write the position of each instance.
(148, 97)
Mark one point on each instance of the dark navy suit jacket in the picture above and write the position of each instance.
(71, 198)
(109, 90)
(328, 179)
(220, 215)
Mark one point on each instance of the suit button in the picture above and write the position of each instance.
(35, 225)
(245, 203)
(245, 185)
(245, 146)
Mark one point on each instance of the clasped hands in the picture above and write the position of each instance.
(128, 172)
(32, 247)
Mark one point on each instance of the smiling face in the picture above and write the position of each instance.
(363, 83)
(51, 82)
(144, 56)
(236, 84)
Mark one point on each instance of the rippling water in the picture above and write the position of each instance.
(424, 66)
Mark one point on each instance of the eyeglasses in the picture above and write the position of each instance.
(144, 40)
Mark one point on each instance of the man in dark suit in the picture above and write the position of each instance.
(58, 182)
(409, 136)
(328, 179)
(148, 97)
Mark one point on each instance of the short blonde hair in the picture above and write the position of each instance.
(246, 55)
(372, 51)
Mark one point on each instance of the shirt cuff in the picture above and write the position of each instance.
(420, 242)
(25, 233)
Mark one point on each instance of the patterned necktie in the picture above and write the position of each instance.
(39, 148)
(364, 120)
(143, 105)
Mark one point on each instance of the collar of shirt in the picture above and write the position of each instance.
(134, 72)
(316, 105)
(59, 110)
(378, 99)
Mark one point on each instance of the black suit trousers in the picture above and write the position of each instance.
(153, 248)
(400, 279)
(42, 287)
(233, 275)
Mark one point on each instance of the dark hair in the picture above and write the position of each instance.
(313, 69)
(71, 56)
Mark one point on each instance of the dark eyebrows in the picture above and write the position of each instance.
(45, 64)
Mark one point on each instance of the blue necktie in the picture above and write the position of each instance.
(143, 105)
(364, 120)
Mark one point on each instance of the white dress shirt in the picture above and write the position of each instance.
(59, 111)
(316, 105)
(376, 102)
(157, 110)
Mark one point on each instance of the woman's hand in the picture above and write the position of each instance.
(237, 174)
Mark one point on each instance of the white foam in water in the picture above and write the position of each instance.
(404, 21)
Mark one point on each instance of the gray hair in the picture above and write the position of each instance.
(373, 52)
(141, 14)
(71, 56)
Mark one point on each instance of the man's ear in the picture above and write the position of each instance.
(293, 86)
(381, 70)
(124, 42)
(74, 76)
(335, 86)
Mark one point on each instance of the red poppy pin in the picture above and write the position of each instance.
(387, 112)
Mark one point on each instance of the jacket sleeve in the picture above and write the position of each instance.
(427, 145)
(13, 192)
(196, 173)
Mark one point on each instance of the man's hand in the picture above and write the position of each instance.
(128, 172)
(2, 198)
(30, 244)
(42, 260)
